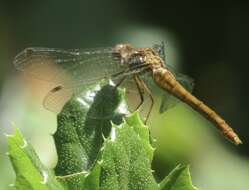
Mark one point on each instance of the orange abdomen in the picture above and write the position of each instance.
(166, 80)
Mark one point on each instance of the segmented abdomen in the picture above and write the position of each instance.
(166, 80)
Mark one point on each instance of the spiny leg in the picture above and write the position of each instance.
(140, 90)
(143, 67)
(144, 86)
(121, 81)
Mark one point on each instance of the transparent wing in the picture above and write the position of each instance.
(186, 81)
(73, 71)
(169, 101)
(160, 49)
(58, 96)
(68, 67)
(86, 96)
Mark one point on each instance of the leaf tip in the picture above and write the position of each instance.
(135, 117)
(113, 134)
(104, 138)
(100, 162)
(45, 177)
(152, 148)
(102, 148)
(8, 135)
(25, 144)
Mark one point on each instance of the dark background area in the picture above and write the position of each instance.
(212, 37)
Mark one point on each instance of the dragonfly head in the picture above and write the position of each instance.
(123, 52)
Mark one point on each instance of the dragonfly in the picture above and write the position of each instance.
(144, 67)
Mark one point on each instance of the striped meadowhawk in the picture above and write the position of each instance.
(145, 67)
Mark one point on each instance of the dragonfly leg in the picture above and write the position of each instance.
(121, 81)
(144, 86)
(140, 90)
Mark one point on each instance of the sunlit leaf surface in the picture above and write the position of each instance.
(30, 172)
(178, 179)
(95, 152)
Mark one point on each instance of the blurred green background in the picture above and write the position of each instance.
(207, 40)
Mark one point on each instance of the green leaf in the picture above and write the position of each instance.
(97, 149)
(126, 157)
(30, 172)
(178, 179)
(81, 126)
